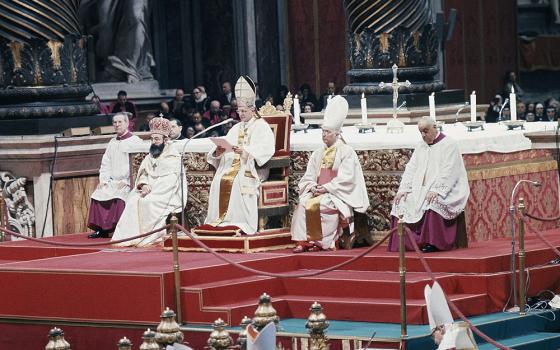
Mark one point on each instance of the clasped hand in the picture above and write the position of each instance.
(145, 190)
(431, 197)
(318, 190)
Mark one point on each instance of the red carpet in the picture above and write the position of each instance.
(132, 286)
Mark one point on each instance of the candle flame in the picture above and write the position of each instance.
(363, 95)
(473, 92)
(512, 90)
(433, 94)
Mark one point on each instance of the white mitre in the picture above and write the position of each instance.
(335, 113)
(245, 91)
(263, 340)
(457, 335)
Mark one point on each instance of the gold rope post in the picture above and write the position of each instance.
(176, 269)
(521, 207)
(402, 273)
(2, 210)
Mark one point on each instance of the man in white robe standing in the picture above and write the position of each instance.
(107, 201)
(233, 198)
(434, 190)
(332, 188)
(157, 190)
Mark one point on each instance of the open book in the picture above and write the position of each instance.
(222, 142)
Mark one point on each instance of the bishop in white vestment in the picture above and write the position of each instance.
(331, 189)
(233, 198)
(107, 201)
(157, 190)
(434, 190)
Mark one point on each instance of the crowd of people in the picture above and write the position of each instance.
(531, 111)
(194, 112)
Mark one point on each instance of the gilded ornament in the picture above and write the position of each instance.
(219, 338)
(265, 313)
(168, 330)
(149, 341)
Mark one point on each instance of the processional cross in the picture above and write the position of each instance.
(395, 85)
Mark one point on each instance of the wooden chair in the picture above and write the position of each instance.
(273, 198)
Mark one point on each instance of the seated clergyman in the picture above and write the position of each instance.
(157, 190)
(107, 201)
(434, 190)
(233, 198)
(331, 189)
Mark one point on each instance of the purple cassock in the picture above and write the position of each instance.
(105, 214)
(431, 229)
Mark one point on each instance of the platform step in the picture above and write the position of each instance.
(531, 341)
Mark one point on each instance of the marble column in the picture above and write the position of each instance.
(383, 33)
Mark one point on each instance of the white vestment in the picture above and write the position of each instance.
(242, 211)
(438, 168)
(114, 182)
(345, 193)
(144, 214)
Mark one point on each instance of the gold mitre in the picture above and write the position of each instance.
(245, 91)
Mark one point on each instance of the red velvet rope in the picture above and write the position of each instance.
(449, 301)
(539, 235)
(62, 244)
(542, 219)
(282, 275)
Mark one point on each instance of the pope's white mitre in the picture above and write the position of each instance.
(335, 113)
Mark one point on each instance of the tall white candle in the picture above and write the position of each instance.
(432, 103)
(512, 104)
(329, 99)
(363, 103)
(473, 106)
(297, 110)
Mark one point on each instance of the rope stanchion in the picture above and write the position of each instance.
(449, 301)
(62, 244)
(539, 235)
(176, 268)
(521, 237)
(534, 217)
(282, 275)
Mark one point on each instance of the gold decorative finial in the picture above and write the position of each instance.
(149, 343)
(316, 325)
(242, 338)
(219, 338)
(265, 313)
(168, 330)
(56, 340)
(124, 344)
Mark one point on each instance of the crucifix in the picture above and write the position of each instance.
(395, 85)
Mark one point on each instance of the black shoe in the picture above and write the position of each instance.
(428, 248)
(98, 234)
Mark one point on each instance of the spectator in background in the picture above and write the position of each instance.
(521, 110)
(176, 104)
(331, 90)
(176, 131)
(213, 114)
(227, 94)
(531, 107)
(123, 105)
(164, 110)
(307, 96)
(190, 132)
(280, 108)
(281, 95)
(539, 113)
(493, 109)
(103, 107)
(146, 125)
(196, 118)
(506, 113)
(551, 114)
(258, 99)
(509, 81)
(201, 100)
(530, 117)
(307, 108)
(234, 110)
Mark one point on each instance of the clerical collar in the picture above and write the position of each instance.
(124, 136)
(438, 138)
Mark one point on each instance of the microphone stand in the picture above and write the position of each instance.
(515, 308)
(465, 105)
(182, 170)
(506, 102)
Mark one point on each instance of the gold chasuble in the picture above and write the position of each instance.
(226, 182)
(312, 206)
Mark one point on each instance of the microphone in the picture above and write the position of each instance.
(182, 170)
(465, 105)
(506, 102)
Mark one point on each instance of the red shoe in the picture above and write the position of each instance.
(299, 249)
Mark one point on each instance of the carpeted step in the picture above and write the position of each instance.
(336, 308)
(531, 341)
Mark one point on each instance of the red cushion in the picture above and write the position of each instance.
(209, 230)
